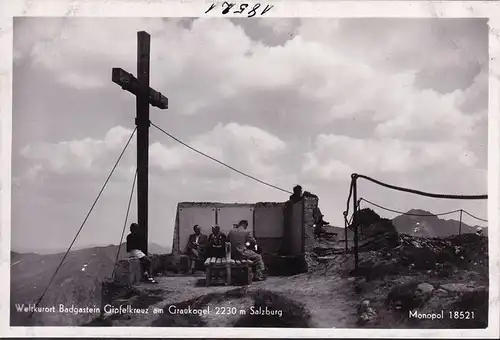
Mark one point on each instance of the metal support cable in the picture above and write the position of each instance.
(217, 161)
(124, 224)
(84, 221)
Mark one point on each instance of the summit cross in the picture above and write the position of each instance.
(145, 96)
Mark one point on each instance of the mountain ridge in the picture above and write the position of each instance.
(428, 226)
(79, 280)
(154, 248)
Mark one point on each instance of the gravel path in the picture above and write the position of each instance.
(308, 300)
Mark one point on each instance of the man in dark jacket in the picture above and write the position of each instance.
(216, 243)
(196, 247)
(240, 239)
(134, 245)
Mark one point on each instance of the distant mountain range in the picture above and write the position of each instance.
(154, 248)
(431, 225)
(78, 281)
(422, 226)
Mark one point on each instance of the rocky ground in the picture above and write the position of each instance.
(305, 300)
(397, 274)
(430, 278)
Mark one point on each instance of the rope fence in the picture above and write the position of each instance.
(422, 215)
(356, 203)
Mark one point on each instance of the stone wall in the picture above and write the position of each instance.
(293, 243)
(270, 245)
(308, 223)
(265, 220)
(175, 241)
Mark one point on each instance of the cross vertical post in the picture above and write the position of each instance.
(142, 123)
(145, 96)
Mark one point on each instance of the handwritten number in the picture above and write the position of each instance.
(253, 11)
(211, 8)
(228, 7)
(242, 8)
(267, 9)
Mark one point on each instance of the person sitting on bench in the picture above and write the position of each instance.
(196, 247)
(216, 243)
(134, 245)
(240, 238)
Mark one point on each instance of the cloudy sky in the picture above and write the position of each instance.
(285, 100)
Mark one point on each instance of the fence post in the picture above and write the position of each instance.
(354, 219)
(358, 203)
(346, 225)
(460, 225)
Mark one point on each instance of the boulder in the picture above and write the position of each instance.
(380, 227)
(128, 271)
(410, 296)
(424, 291)
(366, 314)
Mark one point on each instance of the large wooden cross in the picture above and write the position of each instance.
(144, 97)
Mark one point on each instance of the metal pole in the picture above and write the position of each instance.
(460, 225)
(354, 219)
(142, 122)
(345, 231)
(358, 209)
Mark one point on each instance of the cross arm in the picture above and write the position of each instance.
(129, 83)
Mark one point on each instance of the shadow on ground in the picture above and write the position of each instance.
(262, 309)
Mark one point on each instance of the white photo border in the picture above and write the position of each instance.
(340, 9)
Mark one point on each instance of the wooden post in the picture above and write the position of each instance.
(460, 225)
(358, 203)
(354, 219)
(144, 97)
(142, 122)
(346, 222)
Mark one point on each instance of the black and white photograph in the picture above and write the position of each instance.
(251, 172)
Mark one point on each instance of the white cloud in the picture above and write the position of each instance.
(246, 148)
(328, 98)
(335, 157)
(77, 156)
(242, 146)
(214, 60)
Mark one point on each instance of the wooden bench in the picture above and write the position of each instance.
(216, 266)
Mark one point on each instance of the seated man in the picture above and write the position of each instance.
(216, 243)
(196, 247)
(134, 245)
(240, 238)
